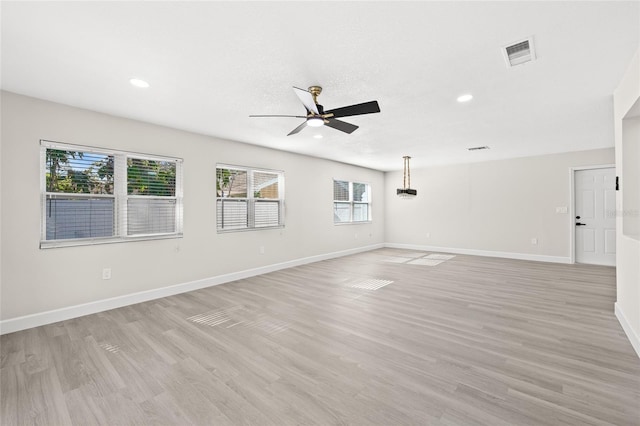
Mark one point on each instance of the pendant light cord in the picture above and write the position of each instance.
(407, 173)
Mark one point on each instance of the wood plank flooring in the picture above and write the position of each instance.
(368, 339)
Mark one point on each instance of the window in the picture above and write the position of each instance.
(248, 198)
(351, 202)
(92, 195)
(151, 196)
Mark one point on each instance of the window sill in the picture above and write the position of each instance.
(364, 222)
(260, 228)
(97, 241)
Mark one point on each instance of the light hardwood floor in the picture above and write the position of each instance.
(360, 340)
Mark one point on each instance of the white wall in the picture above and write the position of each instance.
(627, 246)
(491, 208)
(34, 280)
(631, 176)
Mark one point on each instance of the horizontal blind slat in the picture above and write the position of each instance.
(79, 218)
(151, 216)
(232, 214)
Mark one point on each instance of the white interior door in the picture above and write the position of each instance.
(595, 221)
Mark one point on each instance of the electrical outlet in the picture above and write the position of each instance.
(355, 237)
(106, 274)
(428, 235)
(261, 249)
(534, 241)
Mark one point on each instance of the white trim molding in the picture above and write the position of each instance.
(43, 318)
(487, 253)
(626, 326)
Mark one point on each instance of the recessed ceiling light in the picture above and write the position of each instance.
(465, 98)
(317, 136)
(139, 83)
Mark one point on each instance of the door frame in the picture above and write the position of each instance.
(572, 203)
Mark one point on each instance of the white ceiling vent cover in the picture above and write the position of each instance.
(519, 53)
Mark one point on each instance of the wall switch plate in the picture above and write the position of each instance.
(563, 209)
(534, 241)
(106, 274)
(261, 249)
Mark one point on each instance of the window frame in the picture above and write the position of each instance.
(352, 203)
(250, 200)
(120, 197)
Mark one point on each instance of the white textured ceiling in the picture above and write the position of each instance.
(211, 64)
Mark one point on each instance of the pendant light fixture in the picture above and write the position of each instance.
(406, 191)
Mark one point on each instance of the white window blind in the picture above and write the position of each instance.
(351, 202)
(91, 195)
(78, 194)
(248, 198)
(151, 196)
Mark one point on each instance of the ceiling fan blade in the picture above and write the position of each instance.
(297, 129)
(307, 99)
(292, 116)
(343, 126)
(359, 109)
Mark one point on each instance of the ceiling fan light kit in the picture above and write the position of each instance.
(406, 192)
(318, 117)
(315, 122)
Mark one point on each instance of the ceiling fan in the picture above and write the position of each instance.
(317, 116)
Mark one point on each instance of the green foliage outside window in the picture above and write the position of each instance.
(150, 177)
(90, 173)
(79, 172)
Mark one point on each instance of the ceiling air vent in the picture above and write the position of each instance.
(519, 53)
(478, 148)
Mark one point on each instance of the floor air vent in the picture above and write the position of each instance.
(519, 53)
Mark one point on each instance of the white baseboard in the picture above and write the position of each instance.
(48, 317)
(488, 253)
(629, 331)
